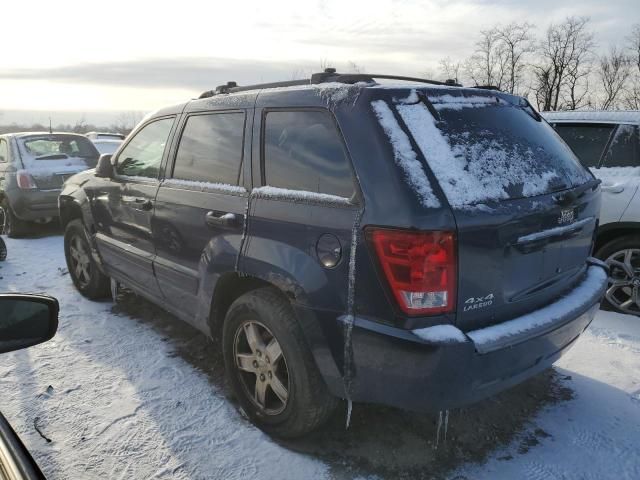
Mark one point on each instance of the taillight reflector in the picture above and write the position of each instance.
(420, 268)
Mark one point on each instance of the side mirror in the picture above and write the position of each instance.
(104, 168)
(26, 320)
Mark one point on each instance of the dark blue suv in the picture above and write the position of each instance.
(418, 244)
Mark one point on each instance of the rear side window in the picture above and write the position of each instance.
(211, 149)
(623, 150)
(586, 141)
(303, 150)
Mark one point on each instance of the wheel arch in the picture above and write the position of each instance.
(611, 231)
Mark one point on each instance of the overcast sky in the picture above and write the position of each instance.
(141, 55)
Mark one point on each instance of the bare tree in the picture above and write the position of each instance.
(353, 67)
(516, 42)
(126, 121)
(613, 73)
(632, 94)
(565, 56)
(488, 64)
(450, 69)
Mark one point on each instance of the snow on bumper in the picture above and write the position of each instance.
(539, 322)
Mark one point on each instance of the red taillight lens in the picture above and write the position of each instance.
(420, 268)
(25, 180)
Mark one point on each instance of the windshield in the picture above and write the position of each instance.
(109, 146)
(484, 149)
(76, 149)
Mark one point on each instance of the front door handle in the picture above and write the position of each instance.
(220, 219)
(615, 188)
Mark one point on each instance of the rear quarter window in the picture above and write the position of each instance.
(303, 150)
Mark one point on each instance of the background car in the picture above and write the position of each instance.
(107, 145)
(33, 168)
(608, 143)
(25, 320)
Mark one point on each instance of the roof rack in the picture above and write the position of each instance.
(329, 75)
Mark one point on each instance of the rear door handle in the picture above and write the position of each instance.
(615, 188)
(221, 219)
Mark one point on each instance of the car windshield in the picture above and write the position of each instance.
(491, 150)
(60, 147)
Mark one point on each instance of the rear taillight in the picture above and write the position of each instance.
(25, 180)
(420, 268)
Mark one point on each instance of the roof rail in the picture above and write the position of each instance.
(329, 75)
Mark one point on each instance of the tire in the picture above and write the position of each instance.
(308, 402)
(84, 271)
(13, 226)
(623, 257)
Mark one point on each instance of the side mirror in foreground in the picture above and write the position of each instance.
(26, 320)
(104, 168)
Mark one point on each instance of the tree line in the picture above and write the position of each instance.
(123, 123)
(561, 69)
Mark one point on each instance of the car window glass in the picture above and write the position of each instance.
(4, 152)
(143, 154)
(304, 151)
(210, 149)
(623, 150)
(586, 141)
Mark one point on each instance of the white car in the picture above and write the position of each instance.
(107, 145)
(608, 143)
(104, 135)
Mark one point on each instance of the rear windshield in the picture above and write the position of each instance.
(69, 150)
(484, 149)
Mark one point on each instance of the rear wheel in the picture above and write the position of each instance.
(86, 276)
(270, 368)
(13, 226)
(623, 257)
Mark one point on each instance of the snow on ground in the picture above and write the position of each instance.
(118, 399)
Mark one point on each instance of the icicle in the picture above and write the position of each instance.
(438, 429)
(446, 425)
(349, 318)
(115, 288)
(244, 232)
(349, 408)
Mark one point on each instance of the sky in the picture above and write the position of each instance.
(74, 56)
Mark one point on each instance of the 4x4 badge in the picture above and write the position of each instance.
(473, 303)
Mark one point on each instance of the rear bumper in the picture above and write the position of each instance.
(395, 367)
(34, 204)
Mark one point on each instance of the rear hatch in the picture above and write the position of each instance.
(52, 158)
(525, 208)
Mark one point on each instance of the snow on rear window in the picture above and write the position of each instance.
(404, 155)
(491, 154)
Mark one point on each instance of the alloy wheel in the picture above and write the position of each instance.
(262, 368)
(623, 292)
(80, 261)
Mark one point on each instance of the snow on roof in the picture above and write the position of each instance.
(628, 116)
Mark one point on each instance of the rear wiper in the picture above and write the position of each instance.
(52, 156)
(570, 196)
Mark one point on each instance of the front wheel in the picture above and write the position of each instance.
(622, 255)
(86, 276)
(270, 368)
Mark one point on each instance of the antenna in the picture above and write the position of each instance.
(50, 131)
